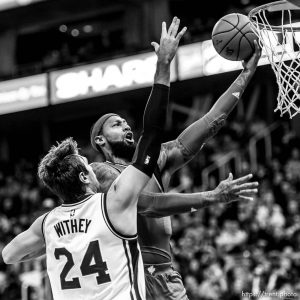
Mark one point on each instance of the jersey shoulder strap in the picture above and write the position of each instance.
(43, 224)
(157, 174)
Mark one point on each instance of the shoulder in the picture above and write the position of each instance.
(105, 174)
(100, 168)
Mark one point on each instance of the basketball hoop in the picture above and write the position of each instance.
(281, 44)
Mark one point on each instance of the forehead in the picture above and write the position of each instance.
(114, 119)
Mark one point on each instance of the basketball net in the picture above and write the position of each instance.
(281, 44)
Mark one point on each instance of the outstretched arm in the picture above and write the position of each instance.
(123, 194)
(26, 245)
(160, 205)
(190, 141)
(166, 204)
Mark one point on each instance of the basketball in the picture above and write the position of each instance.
(233, 37)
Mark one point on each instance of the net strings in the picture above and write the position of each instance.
(284, 61)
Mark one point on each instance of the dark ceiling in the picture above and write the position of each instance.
(47, 13)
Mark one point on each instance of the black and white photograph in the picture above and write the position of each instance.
(149, 150)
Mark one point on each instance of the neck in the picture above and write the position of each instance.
(117, 160)
(77, 198)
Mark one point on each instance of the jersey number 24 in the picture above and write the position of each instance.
(99, 267)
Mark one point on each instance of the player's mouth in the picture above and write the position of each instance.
(129, 137)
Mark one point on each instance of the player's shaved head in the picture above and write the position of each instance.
(59, 170)
(97, 129)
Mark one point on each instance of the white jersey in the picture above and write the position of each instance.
(87, 258)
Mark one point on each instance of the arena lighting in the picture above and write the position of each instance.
(63, 28)
(104, 78)
(88, 28)
(24, 93)
(7, 4)
(75, 32)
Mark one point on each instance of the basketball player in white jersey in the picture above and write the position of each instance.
(91, 239)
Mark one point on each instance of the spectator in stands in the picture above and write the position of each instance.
(231, 238)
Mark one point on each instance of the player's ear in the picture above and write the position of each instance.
(100, 140)
(84, 178)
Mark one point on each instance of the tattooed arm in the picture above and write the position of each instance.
(177, 152)
(158, 205)
(166, 204)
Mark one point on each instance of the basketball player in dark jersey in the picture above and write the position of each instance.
(70, 177)
(112, 136)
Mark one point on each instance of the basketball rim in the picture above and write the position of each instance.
(273, 7)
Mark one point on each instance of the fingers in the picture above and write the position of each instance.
(175, 28)
(255, 55)
(163, 29)
(257, 47)
(248, 192)
(155, 45)
(248, 185)
(246, 198)
(230, 176)
(172, 26)
(181, 33)
(242, 179)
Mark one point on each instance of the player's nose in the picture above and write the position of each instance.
(126, 127)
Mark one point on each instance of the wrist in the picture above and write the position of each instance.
(213, 196)
(162, 74)
(163, 61)
(248, 71)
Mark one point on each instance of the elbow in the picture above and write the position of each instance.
(157, 214)
(217, 123)
(151, 214)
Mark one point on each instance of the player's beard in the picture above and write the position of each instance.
(123, 150)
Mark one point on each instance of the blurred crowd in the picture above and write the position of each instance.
(226, 251)
(222, 251)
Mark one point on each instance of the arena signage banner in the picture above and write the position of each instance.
(23, 93)
(104, 78)
(201, 59)
(127, 73)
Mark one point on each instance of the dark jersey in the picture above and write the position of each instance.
(153, 233)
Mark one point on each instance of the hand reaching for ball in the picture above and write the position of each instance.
(251, 63)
